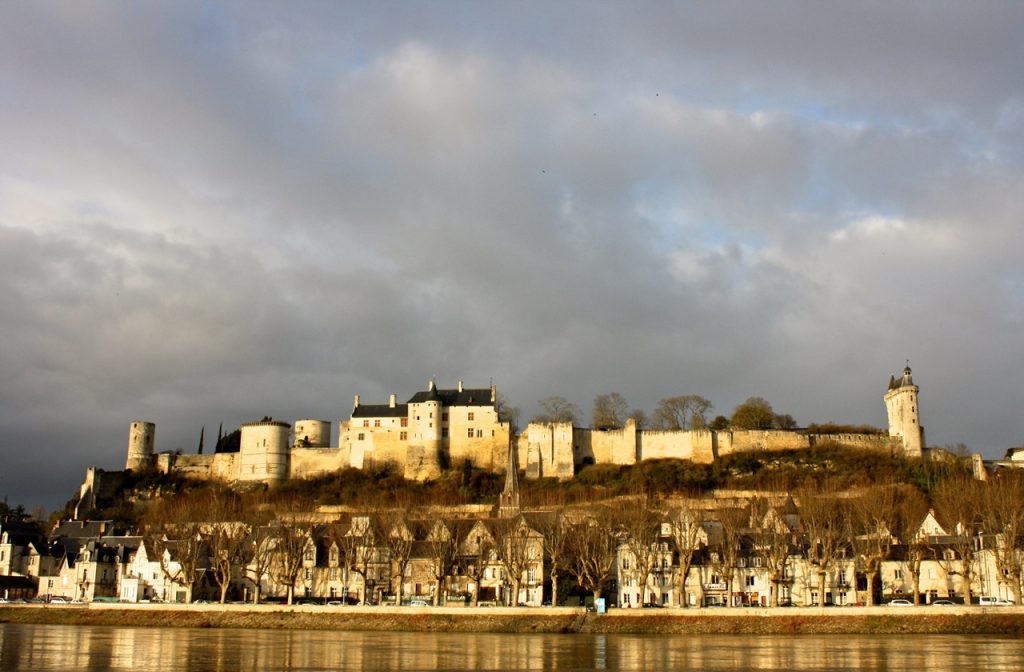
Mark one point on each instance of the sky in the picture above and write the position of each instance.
(216, 212)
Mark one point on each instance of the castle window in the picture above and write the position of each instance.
(366, 423)
(444, 417)
(403, 436)
(444, 432)
(376, 423)
(469, 433)
(479, 433)
(361, 436)
(470, 416)
(404, 422)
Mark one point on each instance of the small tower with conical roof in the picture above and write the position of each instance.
(508, 503)
(901, 403)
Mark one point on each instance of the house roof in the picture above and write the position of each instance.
(80, 529)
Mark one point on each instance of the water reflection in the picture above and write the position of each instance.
(43, 647)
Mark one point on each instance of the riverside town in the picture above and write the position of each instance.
(441, 502)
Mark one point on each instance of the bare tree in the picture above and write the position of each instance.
(474, 552)
(258, 557)
(733, 521)
(610, 411)
(687, 526)
(1003, 510)
(688, 411)
(958, 502)
(557, 409)
(507, 412)
(173, 527)
(226, 537)
(291, 543)
(394, 534)
(916, 546)
(357, 548)
(591, 551)
(639, 418)
(554, 528)
(826, 522)
(875, 516)
(443, 542)
(518, 548)
(774, 541)
(640, 529)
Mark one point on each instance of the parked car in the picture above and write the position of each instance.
(900, 603)
(994, 602)
(943, 603)
(58, 600)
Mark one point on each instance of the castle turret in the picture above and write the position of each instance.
(312, 434)
(263, 454)
(901, 403)
(141, 439)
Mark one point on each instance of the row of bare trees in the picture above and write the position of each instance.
(686, 411)
(231, 538)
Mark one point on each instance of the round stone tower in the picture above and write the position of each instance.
(312, 434)
(901, 403)
(141, 439)
(263, 451)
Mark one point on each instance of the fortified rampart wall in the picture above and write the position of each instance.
(549, 449)
(556, 450)
(771, 440)
(218, 466)
(312, 462)
(697, 445)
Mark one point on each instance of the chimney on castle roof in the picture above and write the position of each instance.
(391, 401)
(460, 386)
(356, 404)
(430, 385)
(494, 393)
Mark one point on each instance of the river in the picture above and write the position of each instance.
(88, 648)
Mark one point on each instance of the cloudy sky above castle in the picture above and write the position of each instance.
(214, 212)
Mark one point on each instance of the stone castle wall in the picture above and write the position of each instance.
(879, 442)
(312, 462)
(559, 450)
(610, 446)
(771, 440)
(544, 450)
(218, 466)
(698, 445)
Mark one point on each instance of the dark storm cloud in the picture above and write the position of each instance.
(211, 213)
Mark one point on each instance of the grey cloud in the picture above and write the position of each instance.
(215, 213)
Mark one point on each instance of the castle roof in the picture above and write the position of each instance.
(380, 411)
(905, 381)
(465, 397)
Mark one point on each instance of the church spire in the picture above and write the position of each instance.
(509, 501)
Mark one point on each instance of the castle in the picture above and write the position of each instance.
(437, 428)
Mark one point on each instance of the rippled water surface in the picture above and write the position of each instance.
(49, 647)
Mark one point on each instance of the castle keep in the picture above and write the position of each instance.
(437, 428)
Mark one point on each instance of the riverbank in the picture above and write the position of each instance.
(874, 621)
